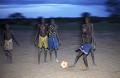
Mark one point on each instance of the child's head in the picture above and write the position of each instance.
(42, 20)
(7, 26)
(52, 21)
(87, 20)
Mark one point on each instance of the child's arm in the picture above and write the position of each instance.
(92, 30)
(2, 38)
(93, 34)
(58, 39)
(94, 43)
(57, 34)
(14, 38)
(94, 40)
(37, 34)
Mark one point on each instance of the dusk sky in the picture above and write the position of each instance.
(52, 8)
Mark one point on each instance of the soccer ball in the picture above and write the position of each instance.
(64, 64)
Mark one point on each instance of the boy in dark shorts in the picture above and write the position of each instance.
(87, 37)
(87, 29)
(84, 51)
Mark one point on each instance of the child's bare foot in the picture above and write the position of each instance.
(94, 64)
(72, 65)
(77, 50)
(85, 69)
(56, 60)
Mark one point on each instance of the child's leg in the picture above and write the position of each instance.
(56, 55)
(85, 60)
(77, 58)
(50, 51)
(45, 45)
(45, 54)
(39, 54)
(77, 50)
(93, 58)
(10, 55)
(6, 53)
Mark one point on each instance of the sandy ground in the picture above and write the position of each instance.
(25, 65)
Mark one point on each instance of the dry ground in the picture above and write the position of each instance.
(25, 65)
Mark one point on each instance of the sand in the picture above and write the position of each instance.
(107, 57)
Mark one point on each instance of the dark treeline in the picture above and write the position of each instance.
(32, 21)
(63, 23)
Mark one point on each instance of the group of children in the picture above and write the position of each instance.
(47, 39)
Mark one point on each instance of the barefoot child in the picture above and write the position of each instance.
(42, 37)
(87, 37)
(87, 29)
(53, 39)
(84, 51)
(7, 38)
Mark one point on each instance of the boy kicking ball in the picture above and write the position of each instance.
(84, 51)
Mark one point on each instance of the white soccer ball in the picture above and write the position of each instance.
(64, 64)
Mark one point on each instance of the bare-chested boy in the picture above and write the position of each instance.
(42, 37)
(87, 31)
(7, 39)
(84, 51)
